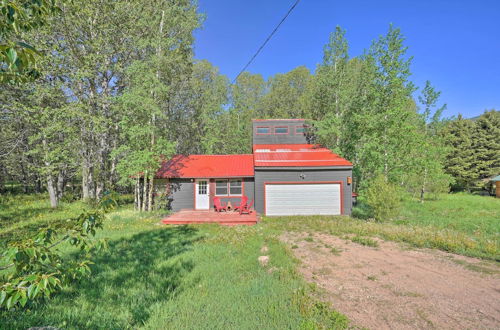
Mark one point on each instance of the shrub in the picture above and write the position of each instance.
(384, 199)
(362, 211)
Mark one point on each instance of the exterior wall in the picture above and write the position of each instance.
(182, 192)
(248, 190)
(311, 175)
(290, 138)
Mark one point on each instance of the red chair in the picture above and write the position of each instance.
(246, 209)
(218, 205)
(243, 202)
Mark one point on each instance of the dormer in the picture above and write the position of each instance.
(280, 131)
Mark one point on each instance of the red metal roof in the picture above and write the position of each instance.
(306, 155)
(207, 166)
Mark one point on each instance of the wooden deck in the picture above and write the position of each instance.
(229, 218)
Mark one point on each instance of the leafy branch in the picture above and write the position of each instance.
(35, 268)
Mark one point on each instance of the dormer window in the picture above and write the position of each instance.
(263, 130)
(281, 130)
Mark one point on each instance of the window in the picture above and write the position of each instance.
(221, 187)
(263, 130)
(235, 187)
(229, 187)
(281, 130)
(202, 187)
(299, 130)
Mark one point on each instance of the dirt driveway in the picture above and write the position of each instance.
(390, 287)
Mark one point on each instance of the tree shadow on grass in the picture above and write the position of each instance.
(10, 214)
(128, 281)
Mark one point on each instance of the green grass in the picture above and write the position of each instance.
(208, 276)
(366, 241)
(470, 214)
(459, 223)
(23, 215)
(187, 277)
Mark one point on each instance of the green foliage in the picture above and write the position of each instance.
(366, 241)
(459, 161)
(362, 210)
(384, 198)
(458, 223)
(35, 268)
(474, 150)
(486, 137)
(152, 276)
(285, 95)
(18, 58)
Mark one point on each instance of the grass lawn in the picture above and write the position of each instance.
(459, 223)
(186, 277)
(207, 276)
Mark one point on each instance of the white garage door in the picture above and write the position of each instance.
(303, 199)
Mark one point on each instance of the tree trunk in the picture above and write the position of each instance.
(424, 182)
(61, 183)
(2, 180)
(150, 193)
(139, 196)
(38, 185)
(85, 181)
(136, 194)
(144, 192)
(24, 177)
(52, 191)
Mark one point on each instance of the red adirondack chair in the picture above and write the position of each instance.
(243, 202)
(218, 205)
(246, 209)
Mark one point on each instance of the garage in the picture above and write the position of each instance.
(303, 198)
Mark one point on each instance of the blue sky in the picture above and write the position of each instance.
(455, 44)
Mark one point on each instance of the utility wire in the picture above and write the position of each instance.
(268, 38)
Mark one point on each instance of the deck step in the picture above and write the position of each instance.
(224, 222)
(184, 217)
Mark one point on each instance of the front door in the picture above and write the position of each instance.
(202, 201)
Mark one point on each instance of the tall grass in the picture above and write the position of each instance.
(188, 277)
(458, 223)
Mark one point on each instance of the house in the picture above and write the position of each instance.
(285, 175)
(497, 185)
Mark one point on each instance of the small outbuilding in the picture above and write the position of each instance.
(496, 182)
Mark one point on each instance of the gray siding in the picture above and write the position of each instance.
(182, 194)
(248, 190)
(290, 138)
(293, 174)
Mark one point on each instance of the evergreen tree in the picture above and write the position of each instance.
(486, 145)
(459, 162)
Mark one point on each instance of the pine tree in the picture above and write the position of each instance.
(459, 162)
(486, 144)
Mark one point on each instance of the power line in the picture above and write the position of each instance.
(268, 38)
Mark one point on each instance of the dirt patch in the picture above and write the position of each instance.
(389, 287)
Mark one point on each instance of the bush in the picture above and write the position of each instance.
(383, 198)
(362, 211)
